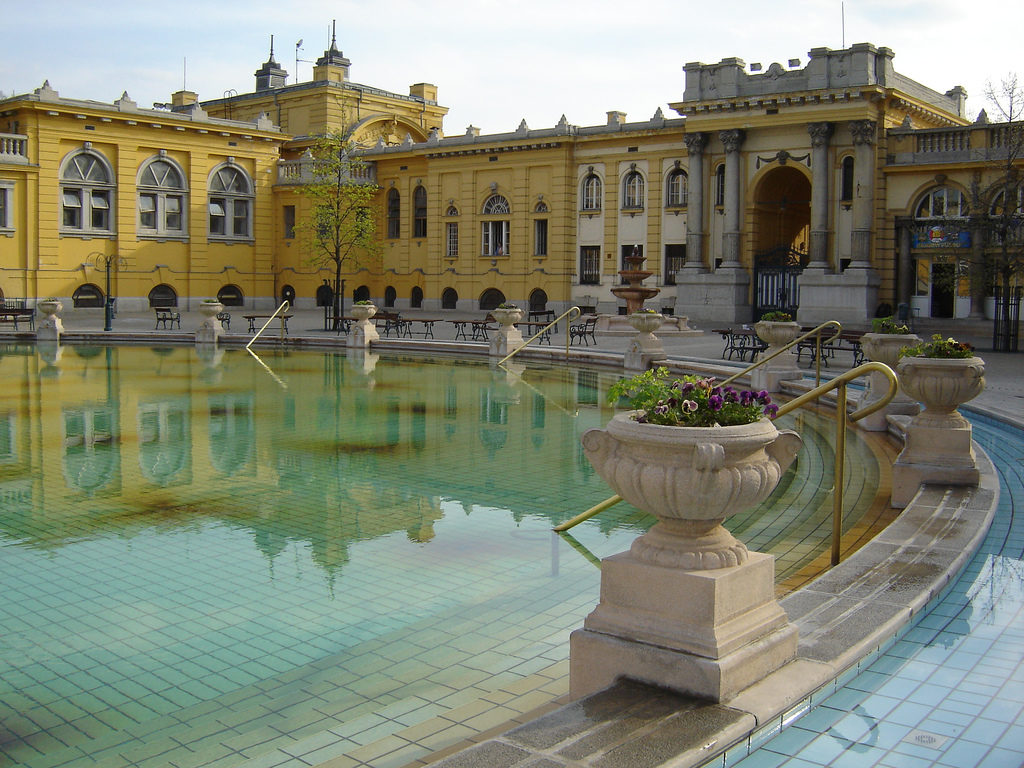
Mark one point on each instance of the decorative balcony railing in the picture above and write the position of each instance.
(13, 148)
(296, 172)
(978, 142)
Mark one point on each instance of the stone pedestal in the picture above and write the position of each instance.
(210, 330)
(885, 348)
(770, 376)
(508, 338)
(713, 297)
(710, 633)
(646, 348)
(50, 327)
(850, 297)
(362, 332)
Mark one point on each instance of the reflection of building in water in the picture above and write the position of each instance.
(151, 440)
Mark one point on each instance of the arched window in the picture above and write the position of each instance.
(163, 296)
(394, 213)
(676, 189)
(416, 297)
(540, 230)
(230, 206)
(491, 298)
(362, 293)
(452, 234)
(591, 192)
(538, 300)
(162, 201)
(633, 190)
(87, 194)
(846, 179)
(942, 203)
(419, 212)
(720, 185)
(231, 295)
(494, 235)
(449, 298)
(999, 207)
(87, 295)
(390, 294)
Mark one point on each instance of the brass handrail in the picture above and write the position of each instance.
(285, 305)
(817, 351)
(554, 322)
(839, 470)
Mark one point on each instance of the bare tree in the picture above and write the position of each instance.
(341, 223)
(997, 205)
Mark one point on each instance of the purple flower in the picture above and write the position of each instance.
(689, 405)
(687, 388)
(771, 411)
(715, 402)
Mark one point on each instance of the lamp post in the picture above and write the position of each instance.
(105, 262)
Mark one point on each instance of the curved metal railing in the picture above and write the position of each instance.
(285, 305)
(816, 332)
(567, 316)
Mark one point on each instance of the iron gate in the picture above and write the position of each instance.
(1006, 326)
(777, 281)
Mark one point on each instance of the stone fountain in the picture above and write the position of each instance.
(635, 295)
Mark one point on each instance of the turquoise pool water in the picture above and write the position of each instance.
(214, 562)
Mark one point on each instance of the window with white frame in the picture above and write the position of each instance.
(720, 186)
(591, 192)
(86, 194)
(162, 199)
(942, 203)
(494, 235)
(590, 265)
(452, 234)
(230, 206)
(633, 190)
(676, 189)
(6, 214)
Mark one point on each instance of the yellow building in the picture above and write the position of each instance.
(824, 186)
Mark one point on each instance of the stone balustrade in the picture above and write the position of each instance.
(13, 148)
(301, 172)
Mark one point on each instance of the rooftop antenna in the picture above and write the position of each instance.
(184, 72)
(298, 46)
(842, 16)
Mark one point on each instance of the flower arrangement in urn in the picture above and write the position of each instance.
(775, 316)
(689, 401)
(363, 303)
(889, 325)
(940, 348)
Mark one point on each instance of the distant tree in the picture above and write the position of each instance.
(341, 221)
(997, 196)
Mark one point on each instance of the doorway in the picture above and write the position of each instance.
(943, 290)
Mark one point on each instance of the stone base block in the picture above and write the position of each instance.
(710, 633)
(907, 478)
(714, 297)
(770, 379)
(848, 297)
(362, 334)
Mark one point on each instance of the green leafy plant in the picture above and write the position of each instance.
(646, 311)
(211, 301)
(888, 325)
(689, 401)
(507, 305)
(363, 303)
(940, 348)
(776, 316)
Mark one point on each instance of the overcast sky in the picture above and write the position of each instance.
(494, 63)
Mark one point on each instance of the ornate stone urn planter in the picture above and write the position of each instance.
(508, 338)
(938, 445)
(646, 348)
(776, 335)
(691, 479)
(50, 327)
(688, 606)
(885, 348)
(362, 332)
(210, 329)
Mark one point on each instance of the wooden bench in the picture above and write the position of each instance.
(167, 317)
(583, 331)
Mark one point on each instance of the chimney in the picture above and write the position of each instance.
(616, 118)
(271, 74)
(332, 66)
(180, 99)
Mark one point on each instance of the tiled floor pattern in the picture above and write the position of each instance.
(253, 638)
(950, 690)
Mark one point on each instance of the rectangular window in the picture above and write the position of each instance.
(590, 265)
(147, 211)
(289, 222)
(540, 237)
(100, 210)
(217, 216)
(6, 217)
(173, 213)
(494, 238)
(453, 240)
(675, 257)
(240, 227)
(72, 207)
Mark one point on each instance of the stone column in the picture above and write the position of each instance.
(695, 143)
(820, 186)
(864, 191)
(905, 267)
(732, 140)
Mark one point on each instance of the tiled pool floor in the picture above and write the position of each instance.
(950, 690)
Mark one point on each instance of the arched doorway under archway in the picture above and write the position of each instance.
(449, 298)
(491, 298)
(781, 231)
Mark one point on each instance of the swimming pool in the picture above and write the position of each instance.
(213, 562)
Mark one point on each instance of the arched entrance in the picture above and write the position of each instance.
(781, 230)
